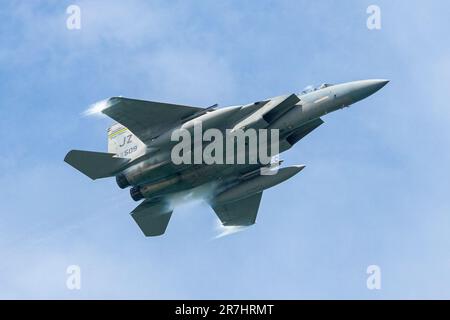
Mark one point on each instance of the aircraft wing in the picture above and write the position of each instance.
(239, 213)
(146, 119)
(152, 217)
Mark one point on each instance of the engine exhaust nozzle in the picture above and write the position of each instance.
(136, 194)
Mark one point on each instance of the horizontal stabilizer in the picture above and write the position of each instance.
(95, 165)
(239, 213)
(152, 217)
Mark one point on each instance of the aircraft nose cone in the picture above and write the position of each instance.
(375, 85)
(362, 89)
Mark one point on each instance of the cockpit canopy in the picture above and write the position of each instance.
(311, 88)
(325, 85)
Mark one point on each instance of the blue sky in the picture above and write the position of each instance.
(375, 189)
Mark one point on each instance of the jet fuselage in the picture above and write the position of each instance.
(144, 150)
(154, 175)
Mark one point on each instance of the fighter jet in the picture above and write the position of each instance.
(141, 150)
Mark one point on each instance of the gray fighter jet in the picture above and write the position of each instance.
(141, 150)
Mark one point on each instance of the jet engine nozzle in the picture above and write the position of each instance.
(122, 181)
(136, 193)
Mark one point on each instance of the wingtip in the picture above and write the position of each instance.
(67, 156)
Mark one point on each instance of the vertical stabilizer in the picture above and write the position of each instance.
(123, 143)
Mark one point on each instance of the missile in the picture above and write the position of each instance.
(141, 172)
(150, 190)
(177, 182)
(256, 184)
